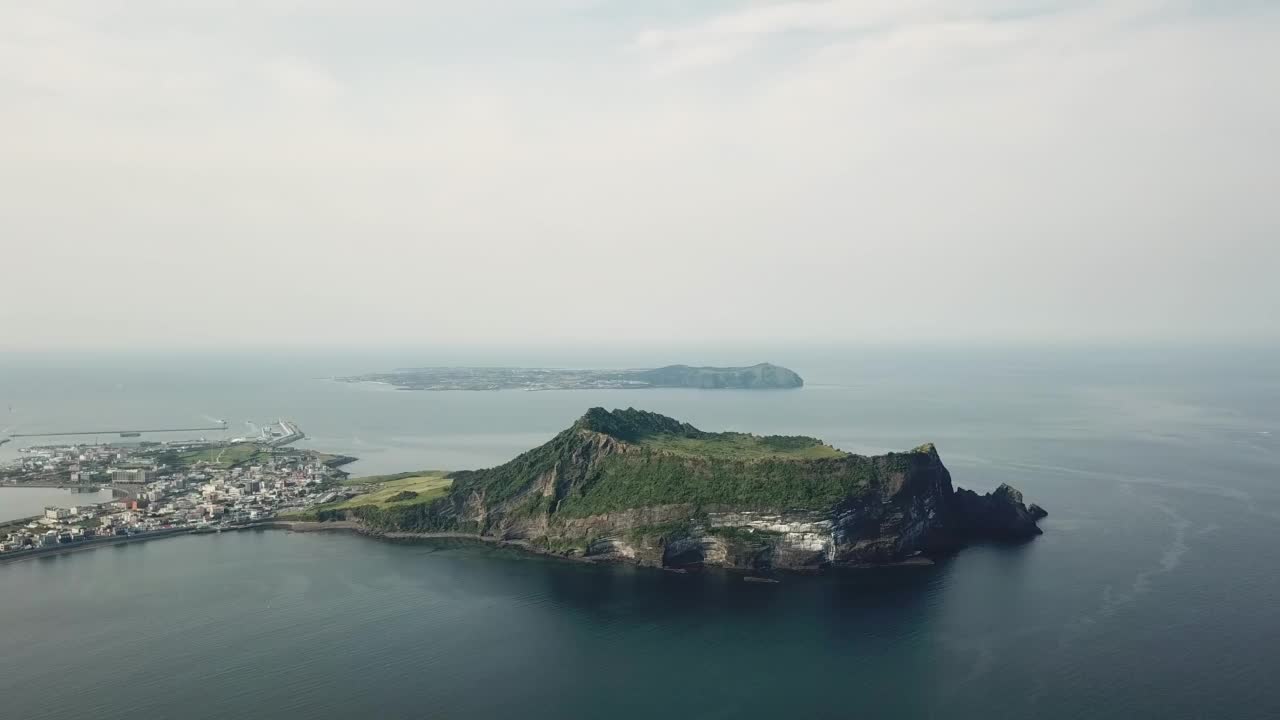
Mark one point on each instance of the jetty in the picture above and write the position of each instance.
(123, 433)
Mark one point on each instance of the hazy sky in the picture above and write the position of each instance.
(209, 172)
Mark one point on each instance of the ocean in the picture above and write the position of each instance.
(1152, 593)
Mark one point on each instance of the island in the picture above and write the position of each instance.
(621, 485)
(763, 376)
(636, 486)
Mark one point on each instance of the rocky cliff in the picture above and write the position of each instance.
(643, 487)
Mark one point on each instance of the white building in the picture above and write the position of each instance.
(128, 476)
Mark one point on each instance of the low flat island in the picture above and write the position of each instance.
(763, 376)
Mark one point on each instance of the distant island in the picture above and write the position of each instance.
(641, 487)
(763, 376)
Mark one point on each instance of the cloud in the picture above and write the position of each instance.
(732, 35)
(519, 171)
(300, 80)
(817, 23)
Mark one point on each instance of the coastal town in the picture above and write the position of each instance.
(162, 488)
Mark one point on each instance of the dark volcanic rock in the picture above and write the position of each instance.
(999, 515)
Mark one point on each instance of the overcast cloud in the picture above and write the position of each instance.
(276, 171)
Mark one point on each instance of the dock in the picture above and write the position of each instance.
(125, 432)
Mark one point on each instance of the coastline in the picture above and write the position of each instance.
(347, 526)
(29, 546)
(18, 556)
(301, 526)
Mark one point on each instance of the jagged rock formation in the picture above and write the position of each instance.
(1000, 514)
(642, 487)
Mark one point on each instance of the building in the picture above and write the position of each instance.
(128, 476)
(57, 513)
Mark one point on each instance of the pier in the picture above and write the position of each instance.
(62, 484)
(125, 432)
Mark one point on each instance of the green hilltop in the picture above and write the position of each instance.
(636, 485)
(612, 461)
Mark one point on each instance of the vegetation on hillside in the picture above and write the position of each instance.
(632, 425)
(658, 478)
(511, 478)
(763, 375)
(414, 489)
(676, 463)
(417, 516)
(379, 479)
(743, 447)
(646, 460)
(224, 456)
(390, 497)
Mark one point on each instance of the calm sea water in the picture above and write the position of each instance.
(1153, 592)
(24, 502)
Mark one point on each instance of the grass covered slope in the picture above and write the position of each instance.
(636, 485)
(614, 461)
(652, 478)
(743, 447)
(420, 487)
(385, 498)
(225, 456)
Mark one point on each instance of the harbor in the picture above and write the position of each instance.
(163, 488)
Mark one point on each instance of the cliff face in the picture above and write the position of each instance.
(621, 485)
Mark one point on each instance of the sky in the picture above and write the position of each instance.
(222, 173)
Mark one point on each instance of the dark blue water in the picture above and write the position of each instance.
(1153, 592)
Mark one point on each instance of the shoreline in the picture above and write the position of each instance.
(18, 556)
(337, 526)
(347, 526)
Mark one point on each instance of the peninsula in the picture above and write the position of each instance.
(763, 376)
(641, 487)
(161, 489)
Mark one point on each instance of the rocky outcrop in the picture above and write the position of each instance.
(1000, 514)
(915, 511)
